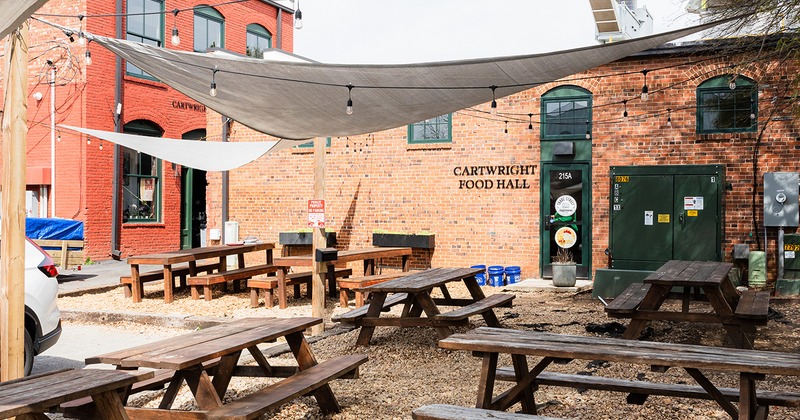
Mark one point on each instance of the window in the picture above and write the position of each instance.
(434, 130)
(141, 178)
(145, 24)
(209, 29)
(721, 109)
(311, 144)
(566, 113)
(258, 40)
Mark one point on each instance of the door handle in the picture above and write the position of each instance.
(680, 219)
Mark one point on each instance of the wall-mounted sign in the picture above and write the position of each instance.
(316, 213)
(693, 203)
(489, 177)
(189, 105)
(566, 205)
(566, 237)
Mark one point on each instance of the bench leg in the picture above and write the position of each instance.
(343, 297)
(253, 297)
(491, 318)
(195, 292)
(359, 299)
(127, 290)
(297, 291)
(208, 291)
(268, 296)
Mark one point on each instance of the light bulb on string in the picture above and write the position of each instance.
(88, 58)
(645, 90)
(493, 109)
(88, 140)
(588, 130)
(213, 91)
(101, 144)
(298, 17)
(176, 39)
(625, 107)
(349, 108)
(530, 122)
(669, 117)
(505, 131)
(81, 36)
(732, 84)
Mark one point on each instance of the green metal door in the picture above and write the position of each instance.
(641, 220)
(696, 210)
(565, 207)
(187, 190)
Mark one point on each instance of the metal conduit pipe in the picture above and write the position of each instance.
(115, 187)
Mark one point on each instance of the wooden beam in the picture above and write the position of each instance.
(12, 227)
(319, 240)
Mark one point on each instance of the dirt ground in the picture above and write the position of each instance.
(406, 369)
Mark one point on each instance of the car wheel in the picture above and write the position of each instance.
(28, 353)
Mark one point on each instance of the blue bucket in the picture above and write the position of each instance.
(513, 274)
(496, 275)
(480, 277)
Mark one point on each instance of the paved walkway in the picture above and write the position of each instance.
(100, 275)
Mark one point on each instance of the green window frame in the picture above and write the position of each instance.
(141, 178)
(566, 113)
(145, 24)
(209, 29)
(432, 130)
(311, 144)
(258, 40)
(721, 109)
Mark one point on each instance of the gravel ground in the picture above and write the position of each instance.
(407, 370)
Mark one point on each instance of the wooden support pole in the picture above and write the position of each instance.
(12, 227)
(319, 241)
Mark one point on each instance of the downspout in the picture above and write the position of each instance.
(225, 130)
(279, 30)
(115, 203)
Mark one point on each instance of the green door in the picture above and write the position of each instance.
(187, 181)
(193, 198)
(565, 208)
(641, 219)
(696, 211)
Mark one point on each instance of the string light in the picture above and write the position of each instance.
(588, 131)
(101, 144)
(644, 88)
(493, 110)
(81, 36)
(69, 35)
(506, 130)
(88, 140)
(349, 108)
(625, 107)
(176, 39)
(213, 91)
(88, 57)
(530, 121)
(669, 117)
(732, 84)
(298, 17)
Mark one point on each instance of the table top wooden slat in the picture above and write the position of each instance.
(49, 390)
(423, 280)
(194, 254)
(690, 273)
(487, 339)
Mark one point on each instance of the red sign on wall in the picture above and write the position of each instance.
(316, 213)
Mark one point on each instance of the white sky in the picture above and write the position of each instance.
(408, 31)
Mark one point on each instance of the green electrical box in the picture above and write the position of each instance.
(791, 256)
(662, 213)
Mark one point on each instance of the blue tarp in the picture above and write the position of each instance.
(53, 228)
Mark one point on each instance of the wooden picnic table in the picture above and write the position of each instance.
(31, 397)
(749, 366)
(368, 255)
(414, 291)
(191, 256)
(189, 356)
(738, 313)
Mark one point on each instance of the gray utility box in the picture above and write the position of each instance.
(781, 199)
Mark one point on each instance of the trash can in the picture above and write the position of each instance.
(496, 275)
(480, 277)
(513, 274)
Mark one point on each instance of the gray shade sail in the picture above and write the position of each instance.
(203, 155)
(297, 100)
(14, 12)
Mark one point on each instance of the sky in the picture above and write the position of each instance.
(412, 31)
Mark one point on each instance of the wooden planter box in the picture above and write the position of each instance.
(412, 241)
(304, 238)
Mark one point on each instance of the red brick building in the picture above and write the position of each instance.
(487, 185)
(160, 206)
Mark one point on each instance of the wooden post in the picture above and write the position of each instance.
(12, 227)
(320, 269)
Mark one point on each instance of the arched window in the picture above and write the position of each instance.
(566, 113)
(721, 109)
(141, 177)
(258, 40)
(209, 29)
(145, 24)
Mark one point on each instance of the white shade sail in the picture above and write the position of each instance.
(14, 12)
(301, 100)
(203, 155)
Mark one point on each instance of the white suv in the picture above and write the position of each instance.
(42, 316)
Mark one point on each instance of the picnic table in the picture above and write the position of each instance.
(191, 256)
(215, 351)
(367, 255)
(414, 291)
(31, 397)
(738, 313)
(749, 366)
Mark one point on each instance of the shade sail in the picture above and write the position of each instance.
(300, 100)
(14, 12)
(203, 155)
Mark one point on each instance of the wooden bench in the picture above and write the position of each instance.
(753, 305)
(356, 283)
(268, 285)
(640, 390)
(207, 281)
(181, 271)
(355, 314)
(629, 300)
(483, 307)
(304, 382)
(454, 412)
